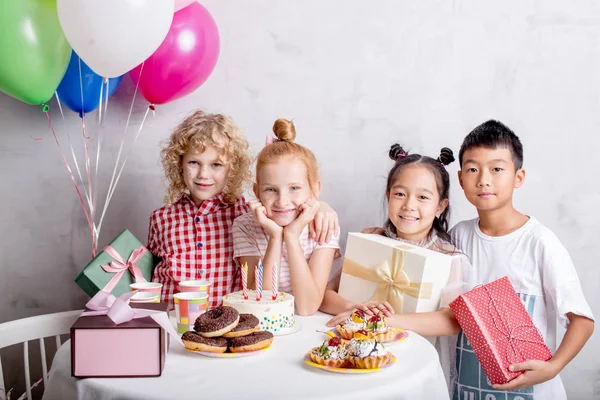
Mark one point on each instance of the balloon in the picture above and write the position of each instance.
(80, 88)
(113, 36)
(184, 60)
(179, 4)
(34, 53)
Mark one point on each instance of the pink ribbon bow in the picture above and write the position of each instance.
(270, 140)
(118, 266)
(119, 310)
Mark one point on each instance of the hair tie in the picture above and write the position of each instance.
(397, 153)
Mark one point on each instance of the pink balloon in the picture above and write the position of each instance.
(184, 60)
(179, 4)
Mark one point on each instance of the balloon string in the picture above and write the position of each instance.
(59, 105)
(87, 165)
(106, 96)
(89, 194)
(100, 103)
(87, 216)
(112, 180)
(89, 201)
(79, 172)
(110, 194)
(81, 113)
(98, 149)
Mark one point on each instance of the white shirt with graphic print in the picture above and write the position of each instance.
(542, 273)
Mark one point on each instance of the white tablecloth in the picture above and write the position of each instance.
(278, 372)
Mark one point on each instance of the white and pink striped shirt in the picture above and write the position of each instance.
(251, 240)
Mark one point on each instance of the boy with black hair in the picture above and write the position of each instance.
(504, 242)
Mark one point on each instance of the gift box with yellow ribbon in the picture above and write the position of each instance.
(409, 277)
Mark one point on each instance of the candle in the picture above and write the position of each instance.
(274, 282)
(245, 280)
(258, 276)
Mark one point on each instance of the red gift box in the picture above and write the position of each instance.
(499, 329)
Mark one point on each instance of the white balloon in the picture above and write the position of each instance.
(114, 36)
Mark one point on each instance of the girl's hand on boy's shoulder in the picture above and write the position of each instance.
(307, 214)
(325, 224)
(536, 371)
(259, 212)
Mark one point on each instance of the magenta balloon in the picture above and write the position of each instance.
(184, 60)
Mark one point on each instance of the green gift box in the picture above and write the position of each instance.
(94, 278)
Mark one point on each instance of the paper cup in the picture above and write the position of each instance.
(195, 286)
(145, 297)
(154, 287)
(188, 307)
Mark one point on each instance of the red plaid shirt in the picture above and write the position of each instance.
(195, 243)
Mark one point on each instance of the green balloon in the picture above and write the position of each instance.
(34, 53)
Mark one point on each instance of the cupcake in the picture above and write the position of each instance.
(332, 353)
(366, 352)
(354, 323)
(377, 328)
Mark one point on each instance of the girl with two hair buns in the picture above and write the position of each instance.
(417, 192)
(276, 230)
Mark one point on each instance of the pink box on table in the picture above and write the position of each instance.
(499, 329)
(100, 348)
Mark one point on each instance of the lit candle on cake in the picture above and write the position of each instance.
(274, 282)
(258, 277)
(245, 280)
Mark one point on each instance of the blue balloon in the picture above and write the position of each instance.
(80, 88)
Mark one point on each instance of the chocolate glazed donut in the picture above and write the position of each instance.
(248, 324)
(254, 341)
(217, 321)
(193, 341)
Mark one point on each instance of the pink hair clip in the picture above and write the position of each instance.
(270, 140)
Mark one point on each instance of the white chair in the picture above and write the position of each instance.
(28, 329)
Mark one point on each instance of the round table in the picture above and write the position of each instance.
(278, 372)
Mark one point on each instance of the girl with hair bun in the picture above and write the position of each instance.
(276, 230)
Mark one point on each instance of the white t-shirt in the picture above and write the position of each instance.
(542, 273)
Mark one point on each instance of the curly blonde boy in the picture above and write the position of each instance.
(190, 234)
(199, 131)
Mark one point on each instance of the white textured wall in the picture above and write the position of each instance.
(356, 76)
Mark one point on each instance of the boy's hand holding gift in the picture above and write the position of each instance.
(535, 371)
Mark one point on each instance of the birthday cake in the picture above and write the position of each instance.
(275, 316)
